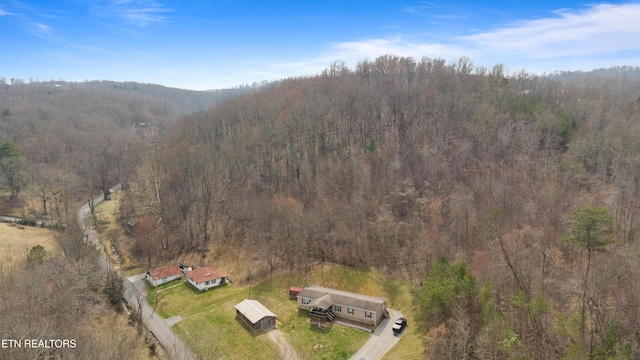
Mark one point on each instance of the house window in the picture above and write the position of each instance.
(350, 311)
(338, 308)
(367, 314)
(306, 301)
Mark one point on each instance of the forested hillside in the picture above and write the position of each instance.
(60, 144)
(527, 187)
(624, 78)
(75, 138)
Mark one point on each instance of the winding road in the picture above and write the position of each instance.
(134, 293)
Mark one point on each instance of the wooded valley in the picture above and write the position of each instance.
(60, 144)
(510, 201)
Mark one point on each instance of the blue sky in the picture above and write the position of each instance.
(224, 43)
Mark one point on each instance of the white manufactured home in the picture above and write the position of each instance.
(326, 305)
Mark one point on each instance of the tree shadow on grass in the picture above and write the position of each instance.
(325, 329)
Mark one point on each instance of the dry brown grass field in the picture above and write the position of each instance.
(16, 241)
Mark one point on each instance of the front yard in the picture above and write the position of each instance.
(208, 323)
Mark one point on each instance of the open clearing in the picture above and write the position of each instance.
(208, 323)
(209, 326)
(16, 242)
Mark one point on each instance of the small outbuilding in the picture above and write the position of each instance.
(163, 275)
(255, 315)
(294, 291)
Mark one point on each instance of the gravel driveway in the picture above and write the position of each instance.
(381, 341)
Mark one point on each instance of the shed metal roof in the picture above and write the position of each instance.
(253, 310)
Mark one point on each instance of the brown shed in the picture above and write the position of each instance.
(256, 315)
(294, 291)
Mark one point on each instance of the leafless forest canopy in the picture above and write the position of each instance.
(392, 165)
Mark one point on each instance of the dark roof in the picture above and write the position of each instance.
(253, 310)
(165, 272)
(325, 297)
(203, 274)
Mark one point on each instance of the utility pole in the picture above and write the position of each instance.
(156, 284)
(249, 279)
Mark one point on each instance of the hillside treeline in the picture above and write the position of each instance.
(401, 162)
(75, 139)
(60, 144)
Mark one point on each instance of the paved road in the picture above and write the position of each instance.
(381, 341)
(134, 290)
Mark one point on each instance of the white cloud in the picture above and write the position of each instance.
(5, 13)
(600, 35)
(600, 29)
(373, 48)
(41, 30)
(596, 36)
(353, 52)
(410, 10)
(138, 12)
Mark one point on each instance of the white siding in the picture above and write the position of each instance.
(204, 285)
(156, 282)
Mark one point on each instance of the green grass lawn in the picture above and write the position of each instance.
(209, 326)
(208, 322)
(338, 341)
(411, 345)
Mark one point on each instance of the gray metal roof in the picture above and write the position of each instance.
(253, 310)
(323, 302)
(339, 297)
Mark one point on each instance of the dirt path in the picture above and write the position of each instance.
(286, 351)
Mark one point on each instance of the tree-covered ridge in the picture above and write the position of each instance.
(400, 162)
(77, 139)
(623, 77)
